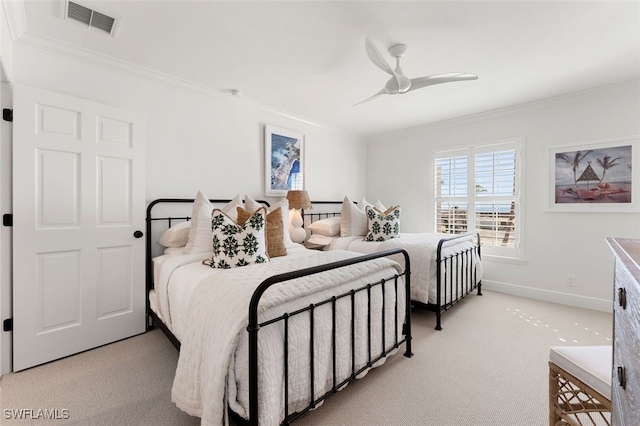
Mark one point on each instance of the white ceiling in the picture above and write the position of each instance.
(307, 58)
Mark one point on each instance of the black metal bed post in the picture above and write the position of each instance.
(149, 244)
(148, 272)
(439, 284)
(254, 325)
(407, 315)
(476, 269)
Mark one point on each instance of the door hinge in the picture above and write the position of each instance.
(7, 114)
(7, 219)
(7, 325)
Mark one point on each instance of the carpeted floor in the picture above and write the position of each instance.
(487, 367)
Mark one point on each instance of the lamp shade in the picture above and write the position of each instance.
(298, 199)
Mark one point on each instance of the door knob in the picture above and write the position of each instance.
(138, 234)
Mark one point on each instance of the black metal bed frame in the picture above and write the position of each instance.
(255, 325)
(455, 274)
(459, 279)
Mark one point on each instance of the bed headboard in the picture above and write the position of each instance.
(321, 210)
(163, 213)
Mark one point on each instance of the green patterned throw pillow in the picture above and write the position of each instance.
(382, 225)
(238, 245)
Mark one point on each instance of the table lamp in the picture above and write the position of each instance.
(298, 200)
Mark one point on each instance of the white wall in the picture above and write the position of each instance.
(195, 141)
(555, 244)
(7, 38)
(199, 141)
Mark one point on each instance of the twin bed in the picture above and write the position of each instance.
(265, 343)
(445, 267)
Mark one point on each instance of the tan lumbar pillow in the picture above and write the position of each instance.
(275, 230)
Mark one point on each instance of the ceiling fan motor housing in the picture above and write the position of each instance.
(398, 50)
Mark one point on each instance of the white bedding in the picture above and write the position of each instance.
(422, 249)
(212, 369)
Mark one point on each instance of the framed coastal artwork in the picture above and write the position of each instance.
(595, 176)
(284, 160)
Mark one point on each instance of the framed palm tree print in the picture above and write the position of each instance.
(595, 177)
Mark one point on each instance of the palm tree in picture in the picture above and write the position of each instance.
(606, 163)
(574, 162)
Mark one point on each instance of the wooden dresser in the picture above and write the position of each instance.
(625, 383)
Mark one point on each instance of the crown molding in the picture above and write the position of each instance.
(514, 109)
(16, 18)
(67, 51)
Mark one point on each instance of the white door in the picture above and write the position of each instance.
(78, 198)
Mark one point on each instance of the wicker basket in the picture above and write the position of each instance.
(572, 402)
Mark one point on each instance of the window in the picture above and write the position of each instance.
(478, 190)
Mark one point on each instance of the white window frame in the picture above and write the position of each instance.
(505, 254)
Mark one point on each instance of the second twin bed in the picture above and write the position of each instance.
(445, 267)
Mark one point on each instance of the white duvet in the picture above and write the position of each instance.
(210, 320)
(422, 249)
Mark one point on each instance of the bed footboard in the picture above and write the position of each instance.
(456, 274)
(255, 325)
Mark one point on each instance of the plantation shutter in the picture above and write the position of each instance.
(451, 197)
(477, 189)
(495, 196)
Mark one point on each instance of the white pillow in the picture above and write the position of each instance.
(252, 205)
(173, 251)
(321, 240)
(200, 235)
(380, 206)
(176, 236)
(363, 203)
(329, 227)
(353, 218)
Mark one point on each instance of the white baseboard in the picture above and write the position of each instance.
(550, 296)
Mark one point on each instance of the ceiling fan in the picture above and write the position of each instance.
(399, 83)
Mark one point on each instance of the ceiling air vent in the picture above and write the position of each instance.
(90, 17)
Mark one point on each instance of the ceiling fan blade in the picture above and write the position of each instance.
(383, 91)
(404, 83)
(430, 80)
(376, 57)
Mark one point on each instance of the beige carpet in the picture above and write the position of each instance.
(487, 367)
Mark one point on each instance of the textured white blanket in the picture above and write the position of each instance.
(212, 367)
(422, 249)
